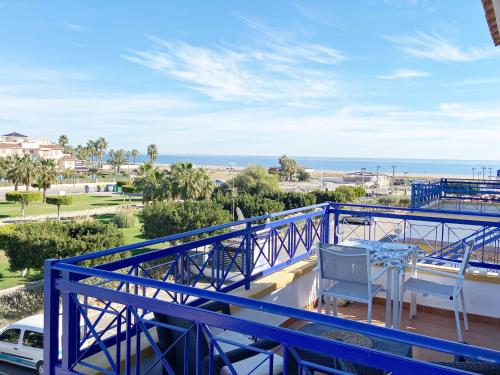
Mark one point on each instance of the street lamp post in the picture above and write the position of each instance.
(231, 170)
(489, 168)
(393, 170)
(363, 175)
(406, 180)
(483, 168)
(473, 172)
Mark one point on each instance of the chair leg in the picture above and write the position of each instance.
(413, 306)
(334, 306)
(327, 303)
(457, 319)
(320, 301)
(464, 311)
(369, 312)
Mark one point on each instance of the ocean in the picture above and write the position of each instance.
(412, 166)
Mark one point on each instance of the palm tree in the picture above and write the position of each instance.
(47, 175)
(134, 153)
(117, 159)
(153, 183)
(101, 146)
(152, 153)
(128, 154)
(91, 151)
(28, 170)
(188, 182)
(13, 173)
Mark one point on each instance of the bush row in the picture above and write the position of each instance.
(20, 303)
(27, 245)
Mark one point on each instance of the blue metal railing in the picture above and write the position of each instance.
(440, 238)
(115, 300)
(458, 194)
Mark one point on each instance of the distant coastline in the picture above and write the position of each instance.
(414, 167)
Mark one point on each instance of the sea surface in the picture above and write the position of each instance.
(415, 166)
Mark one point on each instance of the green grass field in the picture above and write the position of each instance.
(80, 202)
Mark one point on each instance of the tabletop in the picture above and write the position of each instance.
(389, 253)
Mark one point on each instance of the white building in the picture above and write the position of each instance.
(366, 178)
(16, 144)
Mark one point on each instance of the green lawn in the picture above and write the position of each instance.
(80, 202)
(9, 279)
(132, 235)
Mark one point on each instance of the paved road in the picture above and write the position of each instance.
(8, 369)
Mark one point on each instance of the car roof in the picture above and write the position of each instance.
(34, 321)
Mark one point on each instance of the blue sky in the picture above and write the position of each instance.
(394, 78)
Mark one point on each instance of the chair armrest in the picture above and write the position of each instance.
(380, 273)
(434, 272)
(240, 354)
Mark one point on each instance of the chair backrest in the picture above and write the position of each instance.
(344, 263)
(468, 248)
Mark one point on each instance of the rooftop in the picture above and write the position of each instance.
(15, 134)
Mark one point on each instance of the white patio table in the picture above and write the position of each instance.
(396, 257)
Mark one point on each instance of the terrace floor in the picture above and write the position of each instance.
(484, 334)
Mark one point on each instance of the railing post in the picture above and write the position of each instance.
(248, 255)
(336, 212)
(413, 190)
(326, 224)
(70, 327)
(51, 318)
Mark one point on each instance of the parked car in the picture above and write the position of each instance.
(359, 220)
(21, 343)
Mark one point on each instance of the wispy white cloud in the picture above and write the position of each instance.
(405, 73)
(435, 47)
(74, 27)
(276, 68)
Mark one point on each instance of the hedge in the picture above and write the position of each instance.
(27, 245)
(171, 217)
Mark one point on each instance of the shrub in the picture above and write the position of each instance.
(359, 191)
(345, 194)
(122, 183)
(404, 202)
(303, 175)
(169, 217)
(20, 303)
(29, 244)
(250, 205)
(126, 218)
(255, 179)
(59, 200)
(23, 197)
(293, 199)
(388, 200)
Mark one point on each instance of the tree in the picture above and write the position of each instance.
(59, 200)
(47, 175)
(152, 153)
(153, 183)
(303, 175)
(117, 159)
(288, 166)
(101, 145)
(24, 198)
(188, 182)
(63, 141)
(254, 179)
(128, 190)
(171, 217)
(91, 151)
(134, 153)
(13, 173)
(27, 169)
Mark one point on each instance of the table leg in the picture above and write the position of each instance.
(388, 298)
(395, 306)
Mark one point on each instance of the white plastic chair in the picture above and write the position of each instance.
(450, 292)
(349, 271)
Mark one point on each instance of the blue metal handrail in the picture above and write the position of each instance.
(124, 281)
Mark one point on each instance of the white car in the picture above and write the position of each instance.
(21, 343)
